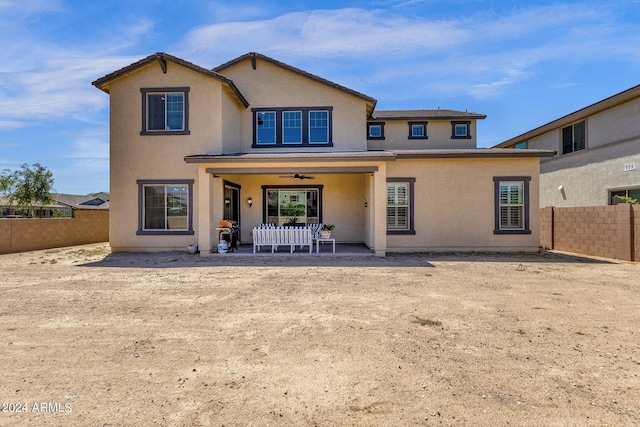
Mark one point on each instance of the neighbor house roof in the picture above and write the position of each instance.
(253, 56)
(89, 201)
(75, 201)
(590, 110)
(162, 58)
(425, 114)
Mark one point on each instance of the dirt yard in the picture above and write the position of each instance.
(90, 338)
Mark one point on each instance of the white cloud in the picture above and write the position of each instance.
(60, 87)
(95, 148)
(326, 33)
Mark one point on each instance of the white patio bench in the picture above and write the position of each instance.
(282, 236)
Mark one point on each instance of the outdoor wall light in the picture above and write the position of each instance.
(250, 201)
(227, 201)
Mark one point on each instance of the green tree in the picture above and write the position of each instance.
(6, 182)
(29, 186)
(628, 199)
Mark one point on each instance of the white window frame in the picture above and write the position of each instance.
(166, 92)
(284, 126)
(505, 204)
(166, 230)
(275, 127)
(326, 140)
(394, 204)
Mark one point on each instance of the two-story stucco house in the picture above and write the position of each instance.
(257, 141)
(598, 153)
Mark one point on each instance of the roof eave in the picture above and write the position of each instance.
(162, 59)
(253, 56)
(605, 104)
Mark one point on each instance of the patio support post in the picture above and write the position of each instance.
(204, 211)
(380, 210)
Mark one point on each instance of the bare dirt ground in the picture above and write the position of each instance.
(89, 338)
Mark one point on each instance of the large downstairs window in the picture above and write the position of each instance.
(165, 111)
(292, 204)
(400, 206)
(165, 206)
(292, 126)
(511, 200)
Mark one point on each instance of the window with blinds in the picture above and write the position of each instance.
(398, 206)
(511, 205)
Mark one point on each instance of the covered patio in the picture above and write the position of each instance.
(343, 189)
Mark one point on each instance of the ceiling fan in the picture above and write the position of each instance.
(298, 176)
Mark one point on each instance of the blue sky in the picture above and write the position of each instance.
(522, 63)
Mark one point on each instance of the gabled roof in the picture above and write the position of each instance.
(605, 104)
(253, 56)
(162, 58)
(425, 114)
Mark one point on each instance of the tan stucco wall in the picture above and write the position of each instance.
(396, 137)
(272, 86)
(135, 156)
(454, 204)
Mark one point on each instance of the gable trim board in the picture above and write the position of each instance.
(452, 185)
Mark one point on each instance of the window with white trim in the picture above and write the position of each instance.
(165, 111)
(400, 206)
(511, 200)
(165, 207)
(461, 130)
(418, 130)
(375, 130)
(292, 126)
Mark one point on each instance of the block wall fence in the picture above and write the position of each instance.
(604, 231)
(29, 234)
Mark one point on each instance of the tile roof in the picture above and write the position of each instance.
(162, 58)
(424, 114)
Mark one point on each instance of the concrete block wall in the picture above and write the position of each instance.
(604, 231)
(28, 234)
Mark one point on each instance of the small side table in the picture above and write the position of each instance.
(320, 239)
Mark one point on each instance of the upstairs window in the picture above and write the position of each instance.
(520, 145)
(418, 130)
(573, 137)
(461, 130)
(266, 127)
(511, 199)
(165, 111)
(292, 126)
(318, 127)
(375, 130)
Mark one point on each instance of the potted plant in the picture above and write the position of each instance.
(325, 231)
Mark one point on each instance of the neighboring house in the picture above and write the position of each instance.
(64, 205)
(598, 153)
(258, 141)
